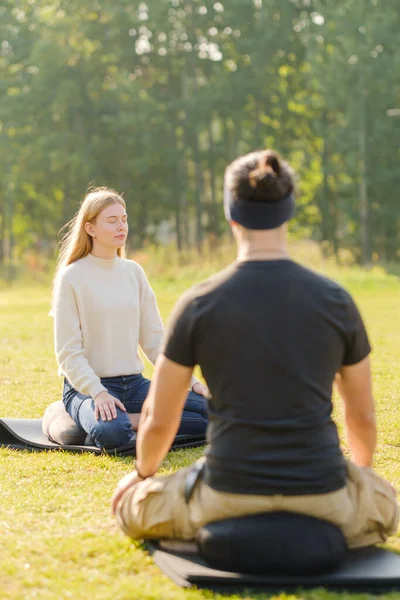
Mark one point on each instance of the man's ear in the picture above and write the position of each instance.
(89, 229)
(236, 227)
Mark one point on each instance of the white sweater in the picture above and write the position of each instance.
(103, 310)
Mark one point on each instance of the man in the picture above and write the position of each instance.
(270, 337)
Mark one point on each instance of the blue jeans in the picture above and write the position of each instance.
(132, 391)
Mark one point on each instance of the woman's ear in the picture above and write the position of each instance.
(89, 229)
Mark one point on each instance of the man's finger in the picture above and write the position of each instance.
(120, 490)
(115, 499)
(123, 485)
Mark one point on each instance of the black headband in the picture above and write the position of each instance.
(258, 215)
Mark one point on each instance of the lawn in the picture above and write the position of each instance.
(58, 539)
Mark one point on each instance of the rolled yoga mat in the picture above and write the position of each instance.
(27, 434)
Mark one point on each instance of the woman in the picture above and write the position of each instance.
(104, 309)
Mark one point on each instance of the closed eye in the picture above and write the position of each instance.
(114, 219)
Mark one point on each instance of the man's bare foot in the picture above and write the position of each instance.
(134, 420)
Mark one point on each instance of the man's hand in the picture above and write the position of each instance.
(105, 406)
(392, 487)
(201, 389)
(123, 485)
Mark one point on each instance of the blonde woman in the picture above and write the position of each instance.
(104, 309)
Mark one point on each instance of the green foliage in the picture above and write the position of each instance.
(154, 99)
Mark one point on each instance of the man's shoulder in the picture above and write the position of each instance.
(213, 285)
(200, 294)
(320, 281)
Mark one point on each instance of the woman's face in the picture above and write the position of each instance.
(110, 228)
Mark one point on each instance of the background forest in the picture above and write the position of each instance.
(155, 98)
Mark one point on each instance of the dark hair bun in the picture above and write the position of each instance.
(261, 176)
(268, 169)
(272, 160)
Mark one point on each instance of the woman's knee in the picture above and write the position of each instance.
(193, 424)
(112, 434)
(195, 403)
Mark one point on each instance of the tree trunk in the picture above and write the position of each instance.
(8, 237)
(334, 218)
(198, 192)
(2, 231)
(142, 221)
(258, 125)
(363, 189)
(237, 135)
(178, 228)
(180, 191)
(323, 198)
(228, 139)
(213, 183)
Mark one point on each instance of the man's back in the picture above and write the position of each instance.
(269, 337)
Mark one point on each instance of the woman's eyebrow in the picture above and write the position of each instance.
(116, 216)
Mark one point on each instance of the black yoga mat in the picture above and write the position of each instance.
(27, 434)
(371, 569)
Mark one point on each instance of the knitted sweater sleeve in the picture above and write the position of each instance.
(68, 340)
(151, 326)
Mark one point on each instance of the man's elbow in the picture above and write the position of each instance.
(157, 426)
(362, 419)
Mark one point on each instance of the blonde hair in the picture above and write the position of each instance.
(77, 243)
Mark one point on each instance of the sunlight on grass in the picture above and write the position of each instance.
(59, 540)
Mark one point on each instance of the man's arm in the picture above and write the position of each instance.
(161, 414)
(162, 410)
(355, 388)
(159, 421)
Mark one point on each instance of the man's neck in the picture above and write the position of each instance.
(262, 245)
(261, 254)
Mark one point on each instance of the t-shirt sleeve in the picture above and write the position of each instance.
(178, 341)
(357, 342)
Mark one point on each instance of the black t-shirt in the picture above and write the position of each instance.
(269, 337)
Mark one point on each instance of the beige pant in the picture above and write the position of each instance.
(365, 509)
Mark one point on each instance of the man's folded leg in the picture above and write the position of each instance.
(375, 511)
(156, 508)
(365, 509)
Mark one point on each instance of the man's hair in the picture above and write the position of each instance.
(260, 177)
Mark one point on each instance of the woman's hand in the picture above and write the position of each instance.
(201, 389)
(123, 485)
(105, 406)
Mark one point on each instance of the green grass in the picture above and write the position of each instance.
(58, 539)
